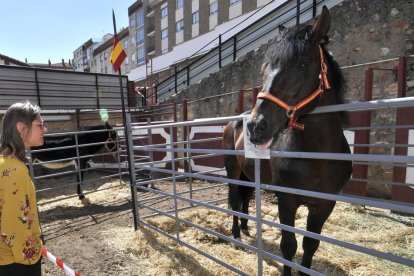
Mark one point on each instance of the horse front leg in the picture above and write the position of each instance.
(318, 214)
(235, 204)
(287, 211)
(80, 177)
(245, 194)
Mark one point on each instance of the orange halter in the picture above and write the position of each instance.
(291, 109)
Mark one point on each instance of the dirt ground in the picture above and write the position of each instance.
(98, 238)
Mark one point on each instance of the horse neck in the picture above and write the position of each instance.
(95, 137)
(323, 132)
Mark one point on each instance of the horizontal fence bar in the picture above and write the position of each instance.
(295, 154)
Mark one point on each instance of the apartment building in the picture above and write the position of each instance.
(101, 61)
(156, 27)
(82, 56)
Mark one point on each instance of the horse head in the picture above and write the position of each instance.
(112, 143)
(296, 73)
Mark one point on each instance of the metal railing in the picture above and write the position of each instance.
(184, 200)
(225, 52)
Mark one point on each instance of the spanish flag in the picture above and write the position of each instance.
(118, 54)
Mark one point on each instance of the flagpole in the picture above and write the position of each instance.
(130, 170)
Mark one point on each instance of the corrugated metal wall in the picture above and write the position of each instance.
(55, 89)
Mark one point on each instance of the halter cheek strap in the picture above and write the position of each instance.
(291, 109)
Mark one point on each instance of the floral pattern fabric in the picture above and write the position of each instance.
(19, 222)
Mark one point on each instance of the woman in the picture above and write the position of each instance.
(20, 244)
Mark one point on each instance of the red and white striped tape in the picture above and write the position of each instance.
(69, 271)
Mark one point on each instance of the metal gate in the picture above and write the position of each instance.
(183, 200)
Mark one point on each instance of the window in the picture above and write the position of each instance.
(164, 33)
(179, 26)
(213, 8)
(179, 4)
(106, 55)
(196, 17)
(140, 35)
(141, 55)
(133, 40)
(140, 18)
(234, 2)
(126, 44)
(131, 21)
(164, 12)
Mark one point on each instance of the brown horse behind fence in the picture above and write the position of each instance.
(299, 76)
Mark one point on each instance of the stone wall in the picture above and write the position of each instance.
(361, 32)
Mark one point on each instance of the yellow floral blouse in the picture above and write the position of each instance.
(19, 221)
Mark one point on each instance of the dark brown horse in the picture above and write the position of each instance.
(299, 76)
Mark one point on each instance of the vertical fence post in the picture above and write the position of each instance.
(399, 192)
(151, 153)
(155, 95)
(240, 106)
(219, 50)
(258, 216)
(131, 165)
(188, 75)
(77, 118)
(297, 12)
(97, 91)
(37, 89)
(80, 180)
(175, 79)
(402, 76)
(185, 131)
(187, 145)
(234, 48)
(314, 9)
(174, 133)
(173, 172)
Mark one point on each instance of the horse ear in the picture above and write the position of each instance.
(322, 24)
(281, 30)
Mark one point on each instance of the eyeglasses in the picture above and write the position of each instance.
(40, 125)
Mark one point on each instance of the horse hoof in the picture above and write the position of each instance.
(85, 201)
(246, 232)
(235, 246)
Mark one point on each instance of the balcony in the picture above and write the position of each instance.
(150, 13)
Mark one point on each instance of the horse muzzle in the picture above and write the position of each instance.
(259, 134)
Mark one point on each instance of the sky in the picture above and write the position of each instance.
(53, 29)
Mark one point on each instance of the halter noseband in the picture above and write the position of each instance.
(291, 109)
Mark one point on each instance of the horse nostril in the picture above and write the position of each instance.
(262, 126)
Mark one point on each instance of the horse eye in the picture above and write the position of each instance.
(302, 66)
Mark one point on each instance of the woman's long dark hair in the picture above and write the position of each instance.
(11, 140)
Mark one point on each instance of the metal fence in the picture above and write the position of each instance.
(287, 14)
(182, 151)
(62, 180)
